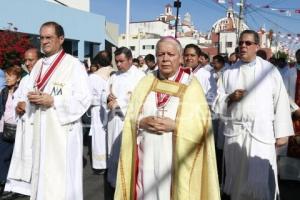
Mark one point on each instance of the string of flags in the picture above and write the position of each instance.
(287, 38)
(288, 42)
(285, 41)
(287, 12)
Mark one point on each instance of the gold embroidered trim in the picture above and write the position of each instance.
(99, 157)
(180, 94)
(123, 178)
(168, 87)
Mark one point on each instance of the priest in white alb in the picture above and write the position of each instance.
(167, 147)
(19, 174)
(98, 131)
(58, 95)
(191, 56)
(255, 107)
(120, 87)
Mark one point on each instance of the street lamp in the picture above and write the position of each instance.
(177, 5)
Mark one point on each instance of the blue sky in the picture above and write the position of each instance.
(206, 12)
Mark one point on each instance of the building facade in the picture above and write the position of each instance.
(145, 34)
(222, 38)
(85, 32)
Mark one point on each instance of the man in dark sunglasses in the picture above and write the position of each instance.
(256, 111)
(248, 45)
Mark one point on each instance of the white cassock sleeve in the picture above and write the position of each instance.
(212, 91)
(282, 116)
(95, 89)
(98, 89)
(220, 103)
(124, 100)
(106, 92)
(208, 84)
(70, 108)
(20, 94)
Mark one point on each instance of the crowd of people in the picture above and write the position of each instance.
(174, 125)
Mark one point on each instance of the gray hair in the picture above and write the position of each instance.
(170, 38)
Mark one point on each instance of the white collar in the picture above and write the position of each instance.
(50, 59)
(252, 63)
(170, 78)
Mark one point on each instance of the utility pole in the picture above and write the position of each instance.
(177, 4)
(127, 21)
(241, 18)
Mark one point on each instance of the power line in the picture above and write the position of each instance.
(272, 22)
(220, 5)
(254, 20)
(275, 2)
(207, 5)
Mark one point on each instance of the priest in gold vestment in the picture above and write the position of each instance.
(167, 149)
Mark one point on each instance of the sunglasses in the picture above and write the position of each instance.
(247, 43)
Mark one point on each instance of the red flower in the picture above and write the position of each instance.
(12, 48)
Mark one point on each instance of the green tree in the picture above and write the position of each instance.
(281, 54)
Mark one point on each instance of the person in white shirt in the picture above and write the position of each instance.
(151, 64)
(98, 83)
(204, 61)
(120, 87)
(21, 163)
(57, 96)
(142, 64)
(191, 57)
(255, 106)
(219, 65)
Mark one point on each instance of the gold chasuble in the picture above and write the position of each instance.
(194, 172)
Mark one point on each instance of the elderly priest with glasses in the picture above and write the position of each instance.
(167, 147)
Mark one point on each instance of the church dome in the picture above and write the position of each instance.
(187, 20)
(228, 23)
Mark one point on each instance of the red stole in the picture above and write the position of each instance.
(42, 81)
(294, 146)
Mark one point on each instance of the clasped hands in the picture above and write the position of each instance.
(236, 96)
(157, 125)
(112, 101)
(40, 99)
(21, 108)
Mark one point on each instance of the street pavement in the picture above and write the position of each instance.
(94, 186)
